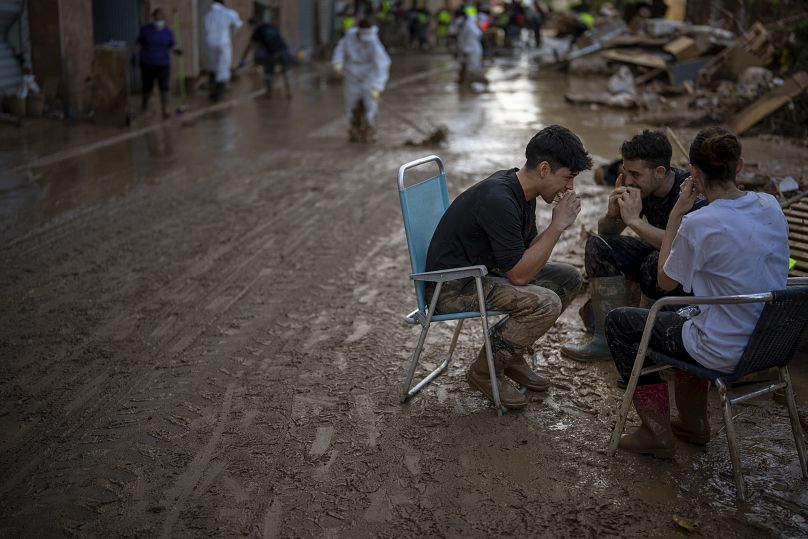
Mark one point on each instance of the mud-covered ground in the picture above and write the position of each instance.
(201, 334)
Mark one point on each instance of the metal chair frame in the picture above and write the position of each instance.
(425, 315)
(720, 379)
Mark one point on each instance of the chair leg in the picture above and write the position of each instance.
(488, 351)
(796, 428)
(732, 440)
(406, 391)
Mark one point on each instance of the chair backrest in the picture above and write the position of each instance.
(422, 206)
(778, 332)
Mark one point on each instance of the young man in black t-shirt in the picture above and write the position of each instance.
(493, 223)
(642, 200)
(271, 51)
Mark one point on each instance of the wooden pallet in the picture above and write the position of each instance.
(797, 217)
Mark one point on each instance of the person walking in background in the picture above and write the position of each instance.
(361, 57)
(270, 51)
(220, 23)
(470, 48)
(155, 43)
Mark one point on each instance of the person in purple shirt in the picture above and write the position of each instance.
(156, 42)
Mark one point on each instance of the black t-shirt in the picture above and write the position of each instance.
(657, 209)
(268, 36)
(490, 223)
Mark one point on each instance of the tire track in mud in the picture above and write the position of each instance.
(94, 389)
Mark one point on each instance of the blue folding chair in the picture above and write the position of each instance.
(422, 206)
(773, 343)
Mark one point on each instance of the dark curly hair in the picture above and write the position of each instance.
(716, 151)
(650, 146)
(558, 146)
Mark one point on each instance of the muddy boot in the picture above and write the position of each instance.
(691, 400)
(357, 117)
(607, 293)
(164, 105)
(479, 379)
(218, 91)
(520, 372)
(654, 437)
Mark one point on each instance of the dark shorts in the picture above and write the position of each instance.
(151, 73)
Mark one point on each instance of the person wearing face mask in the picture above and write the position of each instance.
(220, 23)
(155, 43)
(736, 244)
(361, 58)
(644, 194)
(493, 223)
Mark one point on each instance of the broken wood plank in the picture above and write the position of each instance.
(767, 104)
(635, 57)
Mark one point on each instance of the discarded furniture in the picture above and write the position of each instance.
(796, 211)
(773, 343)
(769, 103)
(422, 206)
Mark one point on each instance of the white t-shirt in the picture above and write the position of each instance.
(728, 247)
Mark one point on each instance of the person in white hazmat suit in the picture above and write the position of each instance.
(470, 48)
(220, 23)
(360, 57)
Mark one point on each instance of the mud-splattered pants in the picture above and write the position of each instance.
(532, 309)
(614, 255)
(624, 327)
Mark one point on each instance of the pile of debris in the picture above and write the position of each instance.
(681, 74)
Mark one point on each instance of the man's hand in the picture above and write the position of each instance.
(687, 197)
(613, 209)
(630, 203)
(566, 211)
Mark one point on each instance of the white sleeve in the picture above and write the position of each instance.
(236, 19)
(338, 57)
(381, 68)
(683, 261)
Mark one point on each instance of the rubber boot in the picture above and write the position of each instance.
(654, 437)
(520, 372)
(164, 105)
(691, 400)
(357, 115)
(607, 293)
(479, 379)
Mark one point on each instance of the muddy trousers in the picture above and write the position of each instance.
(624, 327)
(532, 309)
(615, 255)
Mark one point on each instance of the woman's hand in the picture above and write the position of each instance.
(687, 197)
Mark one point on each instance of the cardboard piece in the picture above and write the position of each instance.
(683, 48)
(767, 104)
(635, 57)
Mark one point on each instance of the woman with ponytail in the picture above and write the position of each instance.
(736, 244)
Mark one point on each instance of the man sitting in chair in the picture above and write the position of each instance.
(642, 199)
(493, 223)
(737, 244)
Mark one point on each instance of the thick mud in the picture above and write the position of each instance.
(201, 334)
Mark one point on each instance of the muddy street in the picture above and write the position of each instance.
(201, 334)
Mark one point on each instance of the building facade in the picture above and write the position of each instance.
(58, 38)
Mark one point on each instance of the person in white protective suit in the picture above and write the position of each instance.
(470, 48)
(360, 57)
(220, 23)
